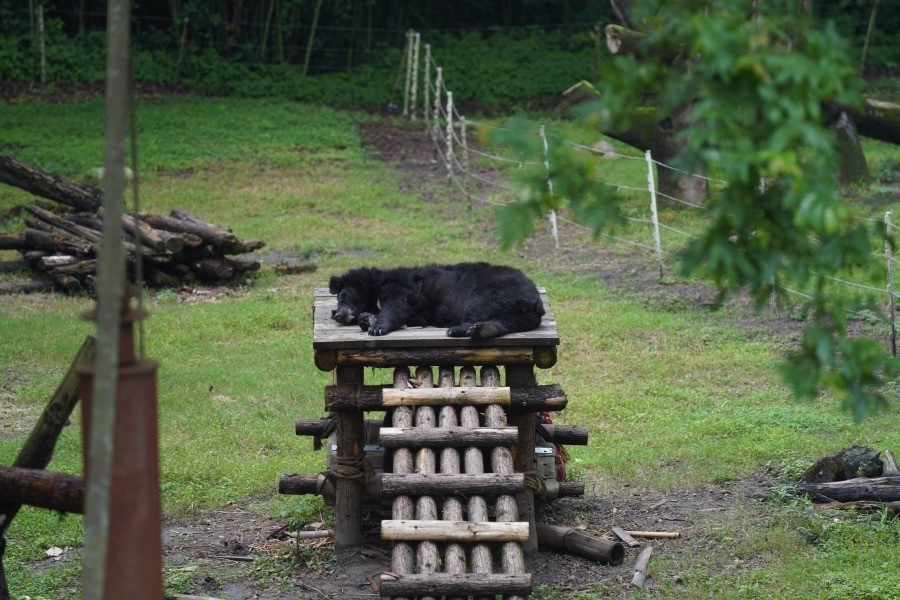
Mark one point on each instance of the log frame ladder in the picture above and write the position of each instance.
(455, 453)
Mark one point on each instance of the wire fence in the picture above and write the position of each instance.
(479, 174)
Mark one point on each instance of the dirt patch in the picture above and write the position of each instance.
(237, 554)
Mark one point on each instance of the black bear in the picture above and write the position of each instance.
(475, 300)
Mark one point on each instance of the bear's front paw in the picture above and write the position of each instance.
(483, 330)
(459, 331)
(379, 330)
(365, 320)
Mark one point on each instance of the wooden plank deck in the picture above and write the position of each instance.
(330, 335)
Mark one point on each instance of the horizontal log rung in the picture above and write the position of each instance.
(453, 531)
(521, 399)
(446, 584)
(448, 437)
(457, 396)
(441, 484)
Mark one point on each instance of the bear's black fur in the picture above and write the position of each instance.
(474, 300)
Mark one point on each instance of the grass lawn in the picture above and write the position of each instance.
(674, 396)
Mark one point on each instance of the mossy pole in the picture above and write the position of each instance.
(426, 86)
(110, 293)
(409, 71)
(414, 84)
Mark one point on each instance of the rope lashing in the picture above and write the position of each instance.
(356, 468)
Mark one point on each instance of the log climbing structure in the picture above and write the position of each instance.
(458, 456)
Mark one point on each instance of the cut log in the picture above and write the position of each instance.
(522, 399)
(889, 462)
(453, 531)
(443, 396)
(64, 224)
(26, 287)
(35, 487)
(440, 484)
(640, 567)
(209, 233)
(449, 437)
(47, 185)
(455, 356)
(14, 241)
(567, 539)
(878, 489)
(856, 461)
(655, 535)
(59, 241)
(11, 266)
(441, 584)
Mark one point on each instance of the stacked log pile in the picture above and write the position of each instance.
(175, 250)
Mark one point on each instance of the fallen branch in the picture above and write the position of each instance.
(623, 535)
(656, 535)
(878, 489)
(640, 567)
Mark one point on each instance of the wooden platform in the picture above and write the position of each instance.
(345, 345)
(331, 335)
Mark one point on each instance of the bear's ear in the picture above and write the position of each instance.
(335, 284)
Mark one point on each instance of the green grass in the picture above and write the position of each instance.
(673, 397)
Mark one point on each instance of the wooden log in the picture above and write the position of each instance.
(57, 260)
(569, 489)
(427, 556)
(13, 241)
(67, 283)
(625, 537)
(298, 483)
(565, 434)
(310, 535)
(522, 377)
(64, 224)
(79, 267)
(26, 287)
(522, 399)
(11, 266)
(640, 567)
(438, 584)
(48, 185)
(450, 356)
(212, 270)
(473, 465)
(879, 489)
(452, 508)
(567, 539)
(209, 233)
(655, 535)
(442, 396)
(37, 450)
(512, 558)
(160, 240)
(57, 241)
(440, 484)
(453, 531)
(348, 497)
(402, 508)
(889, 463)
(35, 487)
(456, 437)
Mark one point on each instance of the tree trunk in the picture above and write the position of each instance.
(880, 489)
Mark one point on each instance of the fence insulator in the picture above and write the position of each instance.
(651, 184)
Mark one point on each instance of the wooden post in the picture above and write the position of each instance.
(523, 376)
(350, 438)
(553, 226)
(889, 258)
(651, 185)
(414, 85)
(426, 87)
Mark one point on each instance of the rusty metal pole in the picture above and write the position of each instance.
(123, 547)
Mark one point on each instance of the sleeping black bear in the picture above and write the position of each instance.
(475, 300)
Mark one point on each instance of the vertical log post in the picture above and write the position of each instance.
(348, 489)
(402, 557)
(523, 376)
(452, 510)
(511, 555)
